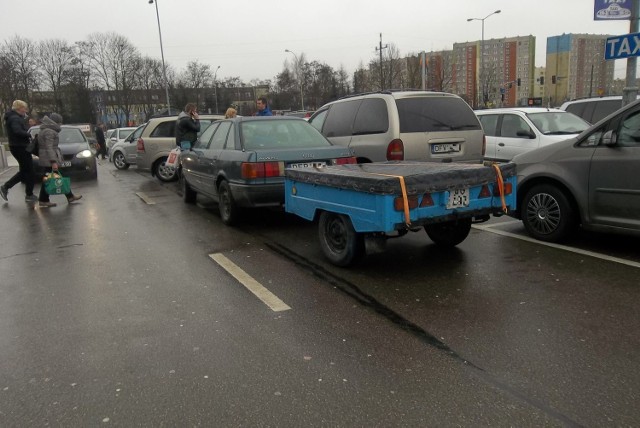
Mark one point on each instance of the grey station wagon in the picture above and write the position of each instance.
(591, 180)
(240, 162)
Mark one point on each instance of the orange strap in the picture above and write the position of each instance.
(405, 199)
(500, 184)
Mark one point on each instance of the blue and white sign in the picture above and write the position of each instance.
(624, 46)
(608, 10)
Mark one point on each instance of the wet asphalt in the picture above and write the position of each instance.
(112, 312)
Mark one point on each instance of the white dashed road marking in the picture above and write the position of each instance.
(267, 297)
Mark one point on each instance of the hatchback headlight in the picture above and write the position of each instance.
(84, 154)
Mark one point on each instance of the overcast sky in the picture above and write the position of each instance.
(248, 38)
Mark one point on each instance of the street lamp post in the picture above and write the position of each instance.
(164, 68)
(482, 76)
(299, 77)
(215, 86)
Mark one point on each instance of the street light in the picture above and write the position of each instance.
(215, 86)
(299, 77)
(164, 68)
(481, 80)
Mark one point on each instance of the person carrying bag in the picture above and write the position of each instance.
(187, 127)
(50, 159)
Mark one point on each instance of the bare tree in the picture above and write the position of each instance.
(57, 59)
(197, 76)
(22, 57)
(115, 62)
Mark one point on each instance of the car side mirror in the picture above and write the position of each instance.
(609, 138)
(526, 134)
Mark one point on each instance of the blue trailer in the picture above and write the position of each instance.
(377, 201)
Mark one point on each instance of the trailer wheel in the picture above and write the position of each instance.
(450, 233)
(338, 239)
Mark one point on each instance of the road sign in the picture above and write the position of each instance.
(624, 46)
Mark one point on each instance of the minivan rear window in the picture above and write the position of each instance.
(433, 114)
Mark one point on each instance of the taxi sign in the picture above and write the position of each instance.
(625, 46)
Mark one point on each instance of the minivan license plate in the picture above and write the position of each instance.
(445, 148)
(458, 198)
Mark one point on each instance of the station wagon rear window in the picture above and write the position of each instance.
(435, 114)
(280, 134)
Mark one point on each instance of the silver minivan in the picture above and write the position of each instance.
(406, 125)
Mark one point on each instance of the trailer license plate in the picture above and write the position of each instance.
(458, 198)
(445, 148)
(308, 165)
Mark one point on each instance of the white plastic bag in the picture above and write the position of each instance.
(172, 160)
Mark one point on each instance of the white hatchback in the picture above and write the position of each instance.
(511, 131)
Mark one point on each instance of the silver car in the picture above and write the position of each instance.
(118, 135)
(590, 180)
(123, 153)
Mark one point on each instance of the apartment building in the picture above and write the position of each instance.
(576, 68)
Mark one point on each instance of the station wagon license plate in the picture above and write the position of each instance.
(308, 165)
(445, 148)
(458, 198)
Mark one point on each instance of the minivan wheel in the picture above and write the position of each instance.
(119, 161)
(226, 205)
(165, 173)
(547, 214)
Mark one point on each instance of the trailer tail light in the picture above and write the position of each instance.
(508, 188)
(427, 200)
(344, 161)
(253, 170)
(140, 145)
(395, 150)
(398, 203)
(485, 192)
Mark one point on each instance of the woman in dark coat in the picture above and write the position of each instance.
(50, 156)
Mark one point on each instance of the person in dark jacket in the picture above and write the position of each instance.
(102, 143)
(187, 127)
(50, 156)
(263, 107)
(16, 126)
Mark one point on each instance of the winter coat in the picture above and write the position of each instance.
(48, 140)
(265, 112)
(186, 129)
(16, 129)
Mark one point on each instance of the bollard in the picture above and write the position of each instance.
(3, 158)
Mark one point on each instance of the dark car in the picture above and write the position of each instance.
(590, 180)
(240, 162)
(79, 159)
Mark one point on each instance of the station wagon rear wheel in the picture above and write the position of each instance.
(119, 161)
(450, 233)
(226, 204)
(547, 213)
(339, 241)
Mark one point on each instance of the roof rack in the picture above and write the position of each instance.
(386, 91)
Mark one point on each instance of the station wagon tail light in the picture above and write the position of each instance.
(253, 170)
(344, 161)
(398, 203)
(140, 145)
(395, 150)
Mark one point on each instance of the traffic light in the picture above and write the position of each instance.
(518, 81)
(553, 79)
(542, 80)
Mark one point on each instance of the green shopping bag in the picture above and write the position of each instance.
(56, 184)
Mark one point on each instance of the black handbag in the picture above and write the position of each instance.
(33, 147)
